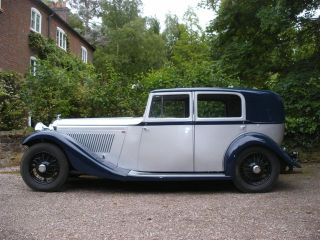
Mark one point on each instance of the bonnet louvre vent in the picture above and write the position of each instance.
(96, 142)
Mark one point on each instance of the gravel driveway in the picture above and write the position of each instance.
(99, 209)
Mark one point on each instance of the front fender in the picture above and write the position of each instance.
(253, 139)
(80, 158)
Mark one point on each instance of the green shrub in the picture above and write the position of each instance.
(300, 90)
(61, 85)
(12, 108)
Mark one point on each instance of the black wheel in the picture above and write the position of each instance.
(256, 170)
(44, 167)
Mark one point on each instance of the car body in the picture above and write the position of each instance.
(185, 134)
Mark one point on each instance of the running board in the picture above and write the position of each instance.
(133, 173)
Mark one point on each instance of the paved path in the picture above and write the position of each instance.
(99, 209)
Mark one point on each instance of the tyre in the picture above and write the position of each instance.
(44, 167)
(256, 170)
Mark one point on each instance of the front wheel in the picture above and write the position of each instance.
(44, 167)
(256, 170)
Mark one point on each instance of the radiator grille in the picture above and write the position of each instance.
(95, 142)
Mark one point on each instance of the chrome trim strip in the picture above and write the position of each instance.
(133, 173)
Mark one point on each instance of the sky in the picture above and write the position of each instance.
(159, 9)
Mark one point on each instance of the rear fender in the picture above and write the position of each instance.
(249, 140)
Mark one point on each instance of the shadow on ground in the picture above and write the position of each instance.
(104, 185)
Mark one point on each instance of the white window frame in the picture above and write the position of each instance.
(61, 38)
(33, 68)
(84, 54)
(243, 107)
(37, 13)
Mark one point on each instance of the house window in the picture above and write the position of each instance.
(84, 54)
(33, 65)
(61, 39)
(35, 24)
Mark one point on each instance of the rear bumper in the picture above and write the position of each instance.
(295, 159)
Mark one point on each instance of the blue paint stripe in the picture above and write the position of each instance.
(203, 123)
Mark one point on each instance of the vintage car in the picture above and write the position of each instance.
(185, 134)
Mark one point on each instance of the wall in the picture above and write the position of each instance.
(15, 28)
(11, 149)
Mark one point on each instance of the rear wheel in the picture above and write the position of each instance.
(44, 167)
(256, 170)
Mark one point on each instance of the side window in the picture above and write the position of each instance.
(35, 24)
(219, 105)
(170, 106)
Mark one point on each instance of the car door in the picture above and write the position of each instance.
(219, 119)
(167, 133)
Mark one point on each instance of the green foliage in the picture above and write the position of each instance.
(276, 45)
(153, 25)
(76, 23)
(12, 108)
(300, 90)
(190, 64)
(171, 33)
(86, 11)
(254, 40)
(133, 43)
(61, 84)
(132, 49)
(111, 96)
(42, 46)
(116, 13)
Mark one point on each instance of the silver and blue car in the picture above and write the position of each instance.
(185, 134)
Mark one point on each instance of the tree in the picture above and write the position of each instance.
(13, 109)
(116, 13)
(171, 33)
(189, 63)
(191, 21)
(76, 23)
(132, 49)
(253, 40)
(86, 10)
(153, 25)
(133, 44)
(273, 44)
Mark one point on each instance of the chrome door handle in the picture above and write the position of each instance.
(145, 128)
(243, 127)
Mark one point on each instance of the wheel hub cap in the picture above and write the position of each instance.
(42, 168)
(256, 169)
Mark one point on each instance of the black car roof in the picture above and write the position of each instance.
(262, 106)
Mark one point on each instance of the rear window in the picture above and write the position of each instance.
(219, 105)
(170, 106)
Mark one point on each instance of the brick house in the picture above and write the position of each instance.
(19, 17)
